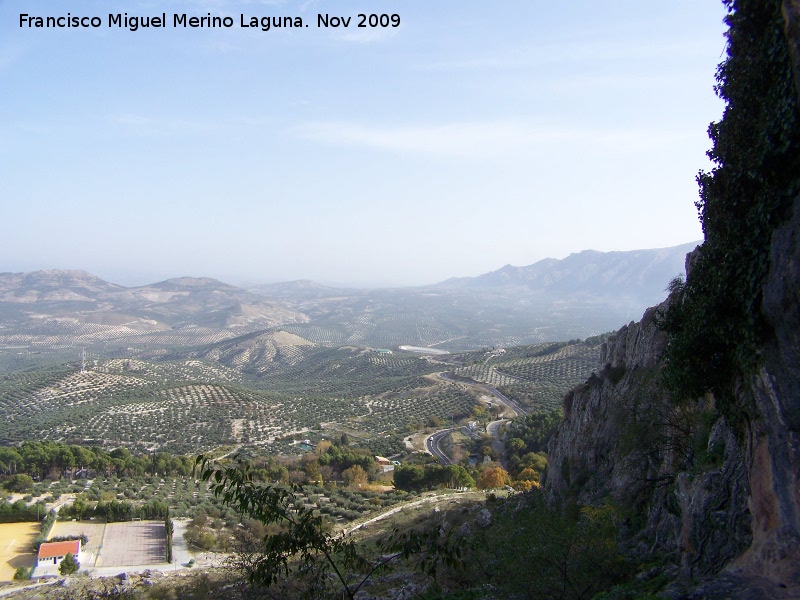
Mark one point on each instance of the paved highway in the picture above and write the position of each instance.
(493, 429)
(432, 446)
(432, 441)
(508, 402)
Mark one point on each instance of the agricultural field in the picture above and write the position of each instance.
(397, 413)
(183, 494)
(54, 335)
(16, 542)
(184, 370)
(344, 504)
(371, 328)
(258, 391)
(282, 362)
(187, 496)
(21, 360)
(269, 388)
(452, 318)
(576, 361)
(537, 376)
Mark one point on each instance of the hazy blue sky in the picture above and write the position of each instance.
(474, 135)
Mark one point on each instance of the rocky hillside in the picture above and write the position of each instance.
(47, 310)
(677, 475)
(585, 294)
(716, 500)
(172, 302)
(706, 484)
(53, 285)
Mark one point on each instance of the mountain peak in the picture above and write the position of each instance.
(645, 273)
(192, 283)
(53, 284)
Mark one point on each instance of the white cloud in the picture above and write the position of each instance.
(482, 139)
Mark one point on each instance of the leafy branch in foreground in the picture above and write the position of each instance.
(301, 546)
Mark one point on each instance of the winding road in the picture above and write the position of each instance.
(432, 446)
(501, 398)
(493, 428)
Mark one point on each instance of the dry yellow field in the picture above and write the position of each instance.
(16, 542)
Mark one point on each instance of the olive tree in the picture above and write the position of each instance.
(69, 565)
(300, 546)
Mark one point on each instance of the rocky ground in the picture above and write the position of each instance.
(208, 583)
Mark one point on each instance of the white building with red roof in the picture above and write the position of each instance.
(52, 553)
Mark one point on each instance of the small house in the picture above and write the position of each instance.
(385, 464)
(52, 553)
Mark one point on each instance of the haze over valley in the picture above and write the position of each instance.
(87, 360)
(552, 300)
(263, 332)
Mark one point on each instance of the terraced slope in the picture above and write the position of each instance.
(279, 361)
(269, 389)
(194, 405)
(537, 376)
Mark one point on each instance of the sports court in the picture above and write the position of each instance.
(16, 544)
(134, 543)
(93, 530)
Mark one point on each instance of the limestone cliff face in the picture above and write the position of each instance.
(773, 438)
(592, 457)
(689, 490)
(791, 17)
(622, 442)
(719, 502)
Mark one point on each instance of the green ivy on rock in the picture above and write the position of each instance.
(714, 323)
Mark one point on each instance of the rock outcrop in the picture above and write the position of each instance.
(719, 501)
(773, 438)
(678, 482)
(714, 502)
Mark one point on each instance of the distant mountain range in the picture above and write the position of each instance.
(46, 310)
(586, 293)
(641, 274)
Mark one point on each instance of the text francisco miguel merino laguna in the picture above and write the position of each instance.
(135, 23)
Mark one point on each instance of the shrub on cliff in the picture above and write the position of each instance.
(714, 324)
